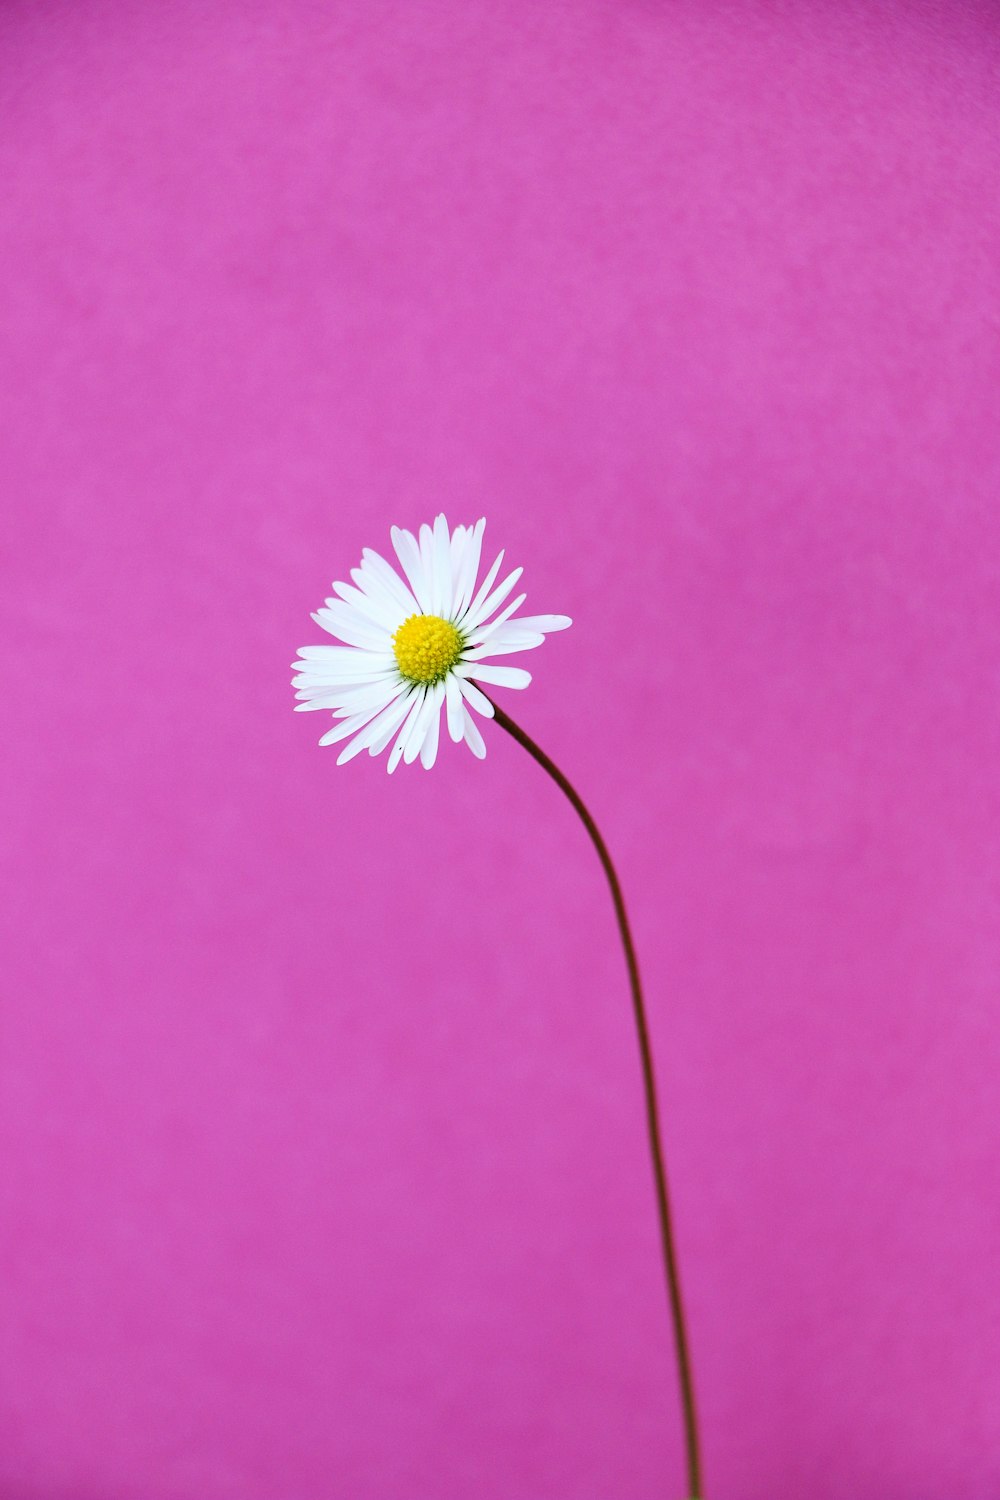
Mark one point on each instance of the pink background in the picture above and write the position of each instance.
(322, 1166)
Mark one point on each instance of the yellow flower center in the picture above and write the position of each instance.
(426, 648)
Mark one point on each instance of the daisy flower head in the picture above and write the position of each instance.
(415, 644)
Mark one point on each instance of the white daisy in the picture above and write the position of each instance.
(416, 645)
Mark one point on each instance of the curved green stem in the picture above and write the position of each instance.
(652, 1107)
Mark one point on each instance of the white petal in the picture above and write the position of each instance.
(317, 687)
(345, 700)
(544, 623)
(429, 748)
(374, 694)
(479, 613)
(453, 697)
(470, 566)
(485, 631)
(349, 625)
(483, 590)
(309, 683)
(474, 697)
(394, 754)
(512, 677)
(513, 630)
(339, 656)
(426, 539)
(388, 615)
(473, 738)
(368, 668)
(370, 732)
(381, 597)
(375, 563)
(459, 537)
(408, 553)
(331, 700)
(345, 728)
(350, 615)
(392, 722)
(441, 553)
(503, 645)
(338, 697)
(420, 726)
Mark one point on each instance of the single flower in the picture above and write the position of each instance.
(416, 645)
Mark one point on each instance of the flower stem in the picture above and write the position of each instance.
(652, 1108)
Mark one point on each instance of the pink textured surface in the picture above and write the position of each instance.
(323, 1168)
